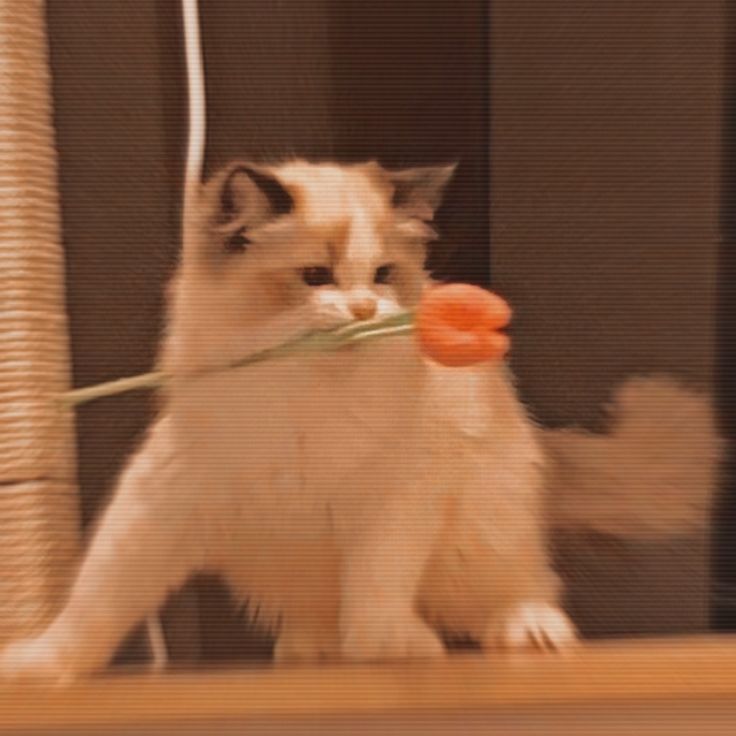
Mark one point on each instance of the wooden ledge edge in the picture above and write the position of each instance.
(632, 669)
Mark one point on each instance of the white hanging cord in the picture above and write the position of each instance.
(197, 110)
(157, 643)
(192, 180)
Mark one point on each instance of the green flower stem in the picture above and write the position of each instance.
(355, 328)
(379, 333)
(119, 386)
(317, 342)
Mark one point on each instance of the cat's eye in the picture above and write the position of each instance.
(237, 243)
(383, 274)
(317, 276)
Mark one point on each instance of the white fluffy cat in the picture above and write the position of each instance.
(360, 501)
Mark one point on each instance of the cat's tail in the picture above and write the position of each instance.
(653, 474)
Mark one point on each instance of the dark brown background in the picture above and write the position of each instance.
(723, 591)
(602, 143)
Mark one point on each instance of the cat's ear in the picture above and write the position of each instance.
(419, 191)
(240, 197)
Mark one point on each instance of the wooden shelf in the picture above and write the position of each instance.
(673, 669)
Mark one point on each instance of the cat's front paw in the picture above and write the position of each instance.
(38, 658)
(530, 625)
(406, 637)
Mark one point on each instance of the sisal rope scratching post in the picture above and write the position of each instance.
(39, 522)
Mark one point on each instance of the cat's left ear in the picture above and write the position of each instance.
(239, 198)
(246, 193)
(418, 192)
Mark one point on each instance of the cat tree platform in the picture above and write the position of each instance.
(647, 687)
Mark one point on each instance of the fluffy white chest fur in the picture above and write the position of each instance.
(305, 459)
(362, 503)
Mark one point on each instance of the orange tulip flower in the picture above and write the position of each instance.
(459, 325)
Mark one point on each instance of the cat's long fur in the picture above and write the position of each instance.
(359, 501)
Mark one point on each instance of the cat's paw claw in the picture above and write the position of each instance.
(306, 646)
(408, 638)
(530, 625)
(37, 658)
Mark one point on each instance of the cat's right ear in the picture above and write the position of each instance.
(418, 192)
(239, 198)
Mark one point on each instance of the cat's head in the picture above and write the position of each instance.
(274, 237)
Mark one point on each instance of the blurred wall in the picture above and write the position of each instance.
(118, 106)
(724, 543)
(605, 167)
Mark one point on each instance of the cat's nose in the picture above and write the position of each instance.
(363, 308)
